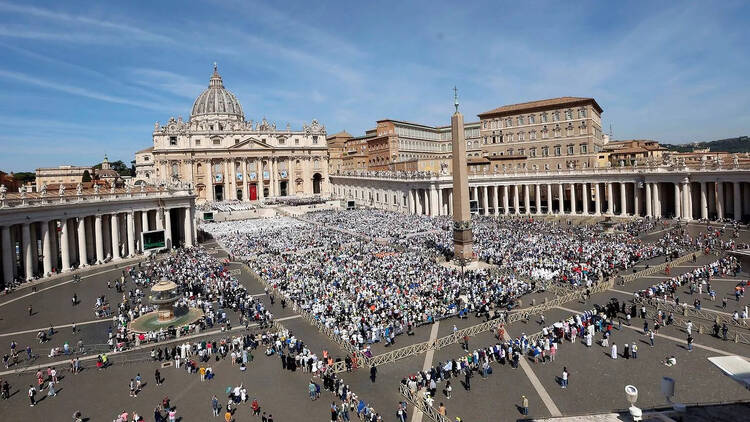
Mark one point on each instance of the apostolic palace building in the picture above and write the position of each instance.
(226, 157)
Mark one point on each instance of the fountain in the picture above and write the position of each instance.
(164, 295)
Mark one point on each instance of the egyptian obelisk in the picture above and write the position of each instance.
(462, 239)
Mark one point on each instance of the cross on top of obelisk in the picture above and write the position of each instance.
(455, 98)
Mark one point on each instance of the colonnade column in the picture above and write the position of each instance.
(434, 200)
(538, 199)
(719, 199)
(704, 202)
(746, 190)
(27, 255)
(526, 200)
(649, 203)
(64, 245)
(597, 199)
(737, 201)
(549, 198)
(561, 198)
(8, 254)
(167, 228)
(410, 202)
(623, 200)
(610, 199)
(114, 224)
(131, 233)
(46, 247)
(99, 233)
(496, 199)
(636, 200)
(450, 201)
(516, 202)
(585, 193)
(188, 228)
(506, 211)
(82, 248)
(687, 200)
(573, 199)
(657, 200)
(677, 200)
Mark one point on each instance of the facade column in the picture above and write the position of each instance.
(516, 202)
(657, 200)
(131, 233)
(561, 198)
(623, 200)
(188, 229)
(610, 199)
(573, 199)
(649, 202)
(226, 181)
(526, 200)
(260, 179)
(737, 199)
(585, 193)
(704, 202)
(64, 245)
(245, 191)
(506, 209)
(210, 181)
(8, 254)
(82, 247)
(114, 224)
(28, 256)
(549, 198)
(538, 199)
(167, 228)
(99, 233)
(677, 200)
(144, 221)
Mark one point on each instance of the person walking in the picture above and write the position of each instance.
(634, 350)
(651, 338)
(157, 377)
(51, 389)
(524, 406)
(32, 396)
(215, 405)
(564, 377)
(690, 343)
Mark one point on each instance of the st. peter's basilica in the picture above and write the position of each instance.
(226, 157)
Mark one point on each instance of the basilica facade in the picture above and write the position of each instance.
(226, 157)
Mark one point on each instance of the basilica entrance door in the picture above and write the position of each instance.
(253, 192)
(219, 193)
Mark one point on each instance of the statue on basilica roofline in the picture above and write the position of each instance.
(79, 189)
(96, 188)
(3, 192)
(22, 190)
(43, 190)
(61, 191)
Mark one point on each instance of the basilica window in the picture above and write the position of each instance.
(217, 141)
(315, 139)
(282, 141)
(173, 140)
(197, 142)
(296, 141)
(174, 169)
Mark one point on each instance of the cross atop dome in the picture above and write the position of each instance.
(216, 78)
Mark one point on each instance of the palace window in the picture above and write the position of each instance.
(558, 150)
(545, 151)
(584, 149)
(532, 119)
(510, 151)
(582, 113)
(521, 152)
(568, 114)
(532, 152)
(570, 149)
(544, 117)
(519, 120)
(532, 135)
(569, 131)
(556, 116)
(521, 136)
(508, 122)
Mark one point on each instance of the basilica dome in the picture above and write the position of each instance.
(216, 102)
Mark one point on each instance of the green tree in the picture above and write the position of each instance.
(86, 176)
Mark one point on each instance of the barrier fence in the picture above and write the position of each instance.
(688, 311)
(661, 267)
(421, 405)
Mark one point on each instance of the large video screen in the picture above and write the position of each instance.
(154, 239)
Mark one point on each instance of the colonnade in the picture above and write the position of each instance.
(682, 198)
(39, 241)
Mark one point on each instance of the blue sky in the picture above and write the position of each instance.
(81, 79)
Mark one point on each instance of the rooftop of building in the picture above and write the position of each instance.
(540, 105)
